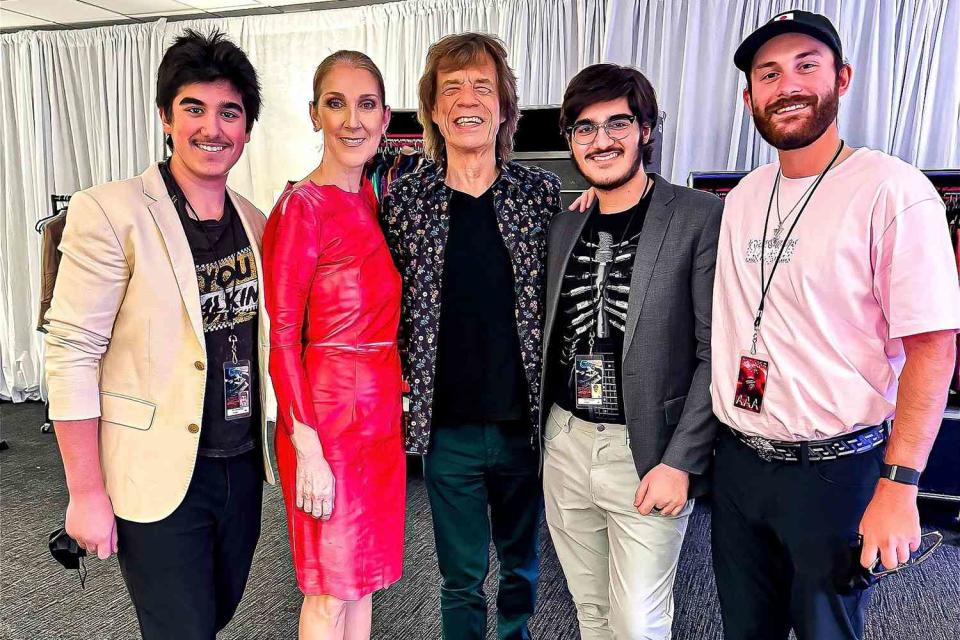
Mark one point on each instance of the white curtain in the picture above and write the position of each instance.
(76, 111)
(78, 106)
(905, 97)
(286, 50)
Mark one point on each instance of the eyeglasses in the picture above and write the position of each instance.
(617, 128)
(859, 578)
(932, 540)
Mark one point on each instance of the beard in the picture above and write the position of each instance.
(610, 184)
(825, 109)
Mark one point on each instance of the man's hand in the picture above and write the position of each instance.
(90, 521)
(585, 201)
(890, 525)
(316, 486)
(665, 488)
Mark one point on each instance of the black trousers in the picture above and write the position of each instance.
(469, 469)
(187, 572)
(782, 534)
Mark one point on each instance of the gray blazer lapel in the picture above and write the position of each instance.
(178, 249)
(558, 255)
(648, 250)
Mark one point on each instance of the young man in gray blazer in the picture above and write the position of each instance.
(628, 430)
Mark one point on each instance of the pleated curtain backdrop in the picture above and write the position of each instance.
(76, 111)
(78, 106)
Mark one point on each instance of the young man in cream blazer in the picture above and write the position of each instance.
(157, 354)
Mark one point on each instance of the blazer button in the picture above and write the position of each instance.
(199, 365)
(193, 428)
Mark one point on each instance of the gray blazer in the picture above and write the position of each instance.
(666, 350)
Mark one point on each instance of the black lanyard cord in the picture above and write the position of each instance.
(180, 200)
(764, 281)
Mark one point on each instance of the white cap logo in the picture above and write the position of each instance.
(783, 16)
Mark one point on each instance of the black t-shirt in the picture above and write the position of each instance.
(226, 274)
(479, 374)
(606, 249)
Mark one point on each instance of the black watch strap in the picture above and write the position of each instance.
(903, 475)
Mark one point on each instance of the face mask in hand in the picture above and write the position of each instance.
(68, 553)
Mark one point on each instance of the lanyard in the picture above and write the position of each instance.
(184, 207)
(765, 282)
(623, 236)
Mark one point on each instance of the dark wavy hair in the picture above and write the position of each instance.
(195, 57)
(606, 82)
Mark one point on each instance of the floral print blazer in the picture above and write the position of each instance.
(416, 223)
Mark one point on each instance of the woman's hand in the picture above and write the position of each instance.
(316, 486)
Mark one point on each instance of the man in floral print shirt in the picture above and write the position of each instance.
(469, 235)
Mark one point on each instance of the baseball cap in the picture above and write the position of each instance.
(805, 22)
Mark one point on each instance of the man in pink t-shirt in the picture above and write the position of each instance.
(836, 306)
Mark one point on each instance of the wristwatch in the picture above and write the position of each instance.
(903, 475)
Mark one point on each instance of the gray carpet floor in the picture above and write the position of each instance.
(39, 600)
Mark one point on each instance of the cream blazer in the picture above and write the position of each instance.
(125, 340)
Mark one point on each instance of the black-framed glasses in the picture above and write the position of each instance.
(617, 128)
(858, 578)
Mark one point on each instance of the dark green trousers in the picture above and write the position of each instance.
(470, 469)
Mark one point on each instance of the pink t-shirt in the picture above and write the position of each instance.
(869, 262)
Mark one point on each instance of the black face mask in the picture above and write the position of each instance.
(68, 553)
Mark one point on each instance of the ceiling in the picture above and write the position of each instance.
(72, 14)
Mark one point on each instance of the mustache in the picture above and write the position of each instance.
(213, 141)
(600, 152)
(808, 101)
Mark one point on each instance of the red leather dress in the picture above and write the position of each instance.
(333, 297)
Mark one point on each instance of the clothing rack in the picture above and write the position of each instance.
(58, 205)
(393, 143)
(398, 154)
(58, 209)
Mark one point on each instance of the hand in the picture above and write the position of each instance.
(890, 525)
(585, 201)
(316, 486)
(90, 521)
(665, 488)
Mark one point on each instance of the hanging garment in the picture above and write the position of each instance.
(49, 263)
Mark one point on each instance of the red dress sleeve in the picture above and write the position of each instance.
(291, 250)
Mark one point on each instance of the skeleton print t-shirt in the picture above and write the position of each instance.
(593, 304)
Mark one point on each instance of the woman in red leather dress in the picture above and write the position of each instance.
(333, 296)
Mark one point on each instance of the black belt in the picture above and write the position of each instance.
(849, 444)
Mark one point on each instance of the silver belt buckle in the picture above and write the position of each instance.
(762, 446)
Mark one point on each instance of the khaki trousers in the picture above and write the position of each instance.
(619, 565)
